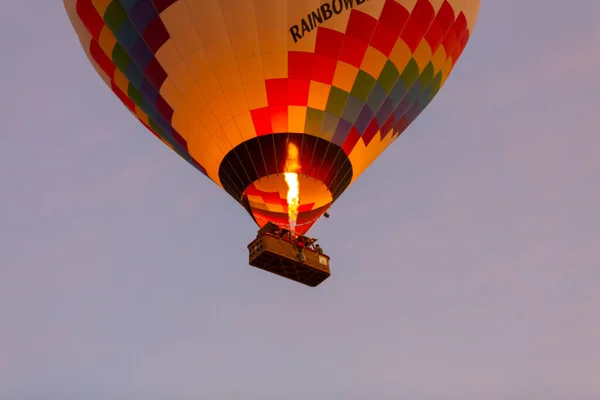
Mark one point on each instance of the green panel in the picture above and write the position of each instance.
(155, 127)
(426, 76)
(389, 76)
(120, 58)
(363, 85)
(314, 119)
(135, 95)
(337, 101)
(436, 83)
(114, 16)
(410, 73)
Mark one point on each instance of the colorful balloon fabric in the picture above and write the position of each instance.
(260, 95)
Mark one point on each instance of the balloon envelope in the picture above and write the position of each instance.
(247, 90)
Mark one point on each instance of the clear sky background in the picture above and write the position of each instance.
(465, 261)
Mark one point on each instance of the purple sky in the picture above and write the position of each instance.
(465, 261)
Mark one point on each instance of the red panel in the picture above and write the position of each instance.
(370, 132)
(300, 64)
(394, 16)
(361, 26)
(328, 42)
(155, 73)
(298, 90)
(353, 51)
(262, 121)
(324, 69)
(279, 113)
(412, 35)
(90, 17)
(164, 109)
(155, 35)
(423, 14)
(122, 96)
(179, 139)
(102, 59)
(441, 26)
(277, 91)
(351, 141)
(450, 43)
(387, 126)
(384, 39)
(162, 5)
(305, 207)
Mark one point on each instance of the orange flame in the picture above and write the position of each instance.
(291, 178)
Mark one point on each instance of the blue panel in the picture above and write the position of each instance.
(353, 107)
(128, 4)
(384, 112)
(141, 54)
(364, 119)
(127, 35)
(142, 14)
(149, 92)
(376, 97)
(134, 75)
(341, 132)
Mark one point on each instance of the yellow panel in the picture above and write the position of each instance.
(219, 52)
(236, 99)
(296, 119)
(439, 59)
(446, 69)
(245, 44)
(182, 121)
(400, 55)
(373, 62)
(208, 19)
(256, 93)
(228, 76)
(437, 4)
(318, 95)
(361, 157)
(408, 4)
(193, 97)
(246, 126)
(206, 117)
(270, 14)
(469, 7)
(107, 41)
(168, 57)
(101, 6)
(221, 139)
(272, 41)
(422, 54)
(204, 75)
(234, 137)
(170, 93)
(251, 71)
(220, 110)
(275, 65)
(197, 151)
(181, 28)
(238, 15)
(345, 75)
(141, 115)
(121, 81)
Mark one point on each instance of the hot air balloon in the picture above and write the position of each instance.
(281, 103)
